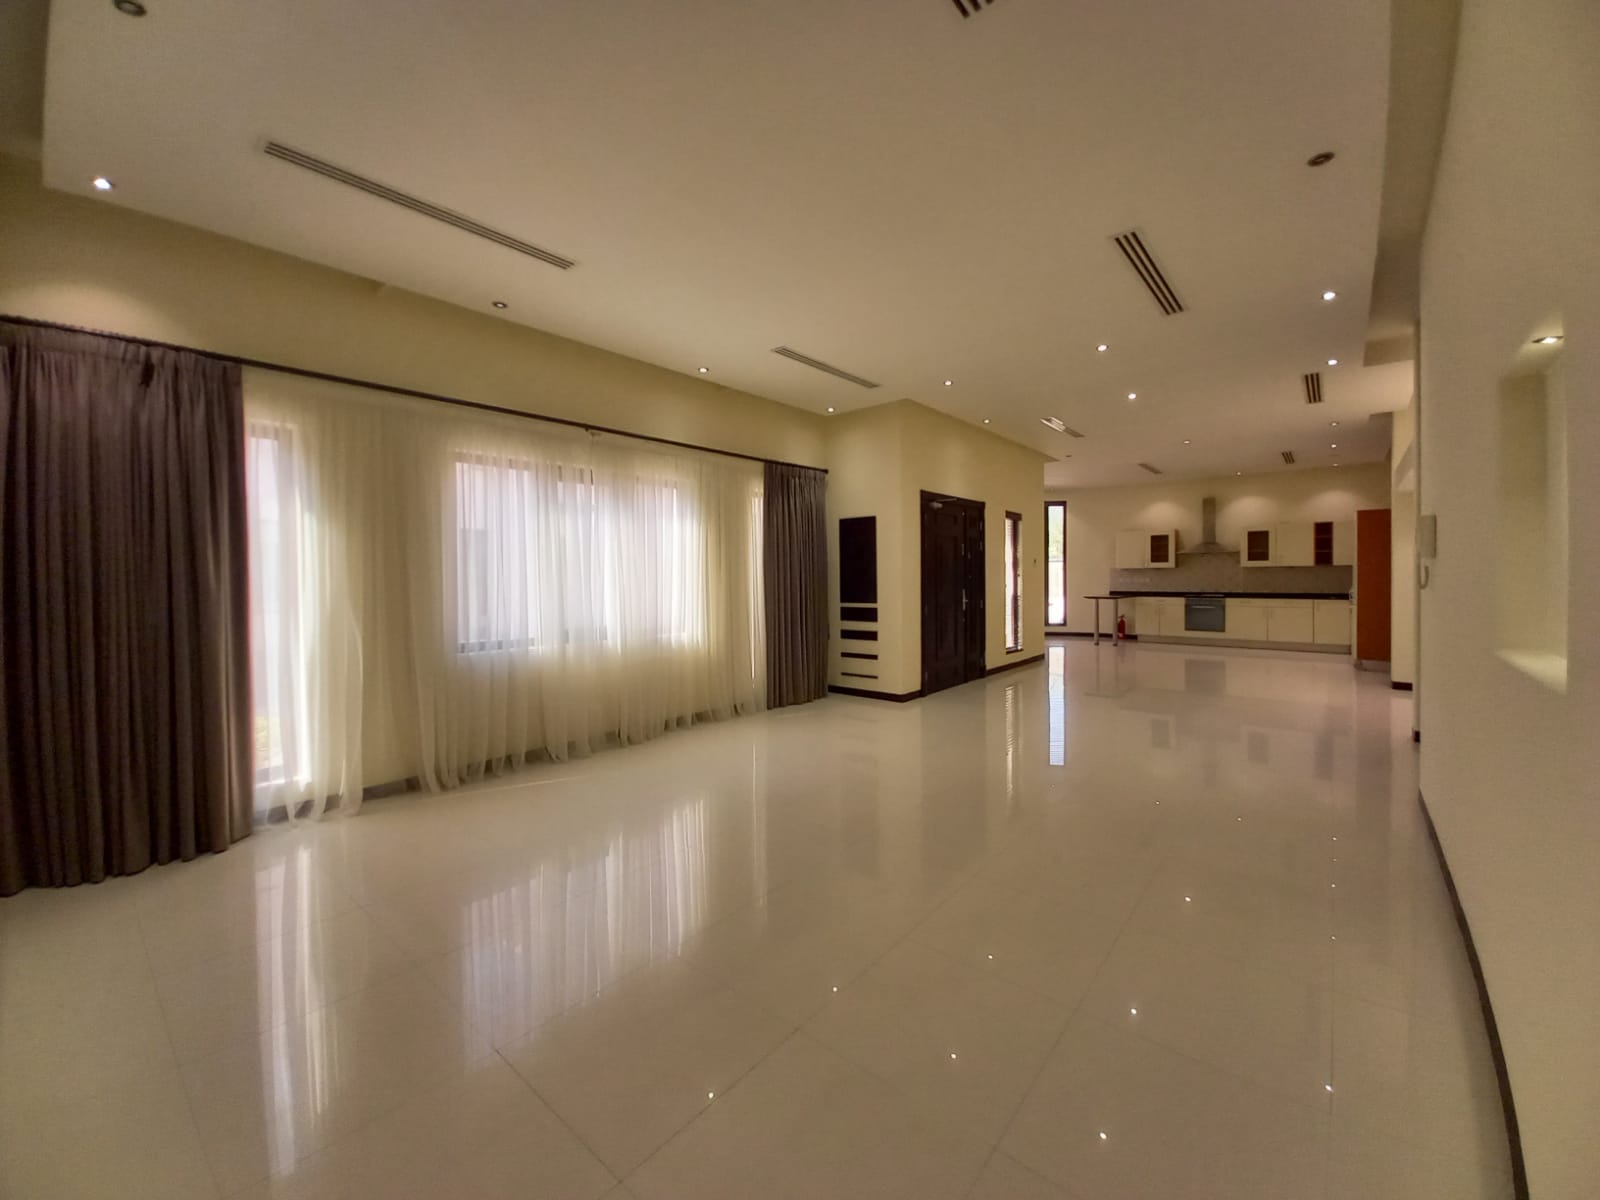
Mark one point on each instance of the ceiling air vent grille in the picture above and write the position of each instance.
(1313, 384)
(1060, 426)
(1288, 456)
(818, 365)
(1144, 265)
(433, 211)
(971, 8)
(1148, 467)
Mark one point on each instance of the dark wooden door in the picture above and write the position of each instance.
(952, 591)
(1372, 584)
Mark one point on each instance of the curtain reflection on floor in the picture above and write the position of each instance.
(299, 1058)
(558, 936)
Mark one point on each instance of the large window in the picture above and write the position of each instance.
(1013, 566)
(278, 620)
(551, 556)
(1055, 562)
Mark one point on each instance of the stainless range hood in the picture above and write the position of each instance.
(1208, 532)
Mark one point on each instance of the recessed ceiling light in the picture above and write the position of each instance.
(1330, 295)
(949, 382)
(1336, 464)
(499, 303)
(705, 370)
(986, 420)
(1238, 472)
(1333, 445)
(1334, 424)
(1320, 159)
(830, 408)
(1101, 348)
(131, 8)
(1333, 362)
(1549, 339)
(1185, 441)
(102, 184)
(1133, 395)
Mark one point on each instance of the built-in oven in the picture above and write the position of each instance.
(1206, 614)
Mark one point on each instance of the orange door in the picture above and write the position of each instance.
(1372, 584)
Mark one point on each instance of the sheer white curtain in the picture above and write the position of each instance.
(571, 591)
(464, 591)
(305, 588)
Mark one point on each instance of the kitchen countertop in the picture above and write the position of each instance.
(1124, 594)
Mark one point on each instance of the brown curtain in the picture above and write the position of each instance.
(795, 583)
(124, 714)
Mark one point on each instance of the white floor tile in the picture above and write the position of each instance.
(1116, 1116)
(617, 976)
(806, 1123)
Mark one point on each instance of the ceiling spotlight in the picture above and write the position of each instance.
(499, 303)
(1101, 348)
(1185, 441)
(830, 408)
(1333, 445)
(131, 8)
(1333, 362)
(1549, 339)
(1133, 395)
(1336, 464)
(1238, 472)
(1334, 424)
(949, 382)
(705, 370)
(1330, 295)
(102, 184)
(986, 420)
(1320, 159)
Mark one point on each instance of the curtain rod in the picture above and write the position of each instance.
(393, 389)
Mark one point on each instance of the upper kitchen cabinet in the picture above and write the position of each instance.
(1162, 549)
(1132, 548)
(1137, 548)
(1300, 544)
(1294, 545)
(1255, 549)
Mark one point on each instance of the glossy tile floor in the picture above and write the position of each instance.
(1131, 923)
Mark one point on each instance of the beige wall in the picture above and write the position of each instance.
(1096, 515)
(881, 459)
(88, 262)
(1509, 766)
(1402, 547)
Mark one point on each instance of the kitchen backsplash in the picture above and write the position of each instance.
(1222, 572)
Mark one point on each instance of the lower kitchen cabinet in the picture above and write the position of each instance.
(1289, 621)
(1247, 620)
(1330, 622)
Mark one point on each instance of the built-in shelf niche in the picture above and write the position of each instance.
(1531, 541)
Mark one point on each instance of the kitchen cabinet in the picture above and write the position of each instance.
(1289, 621)
(1136, 548)
(1293, 544)
(1247, 620)
(1162, 549)
(1299, 544)
(1147, 615)
(1172, 617)
(1330, 622)
(1132, 549)
(1255, 549)
(1344, 543)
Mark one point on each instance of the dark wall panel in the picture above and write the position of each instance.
(858, 560)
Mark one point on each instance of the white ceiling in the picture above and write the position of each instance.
(886, 186)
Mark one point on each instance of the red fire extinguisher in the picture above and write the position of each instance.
(1122, 628)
